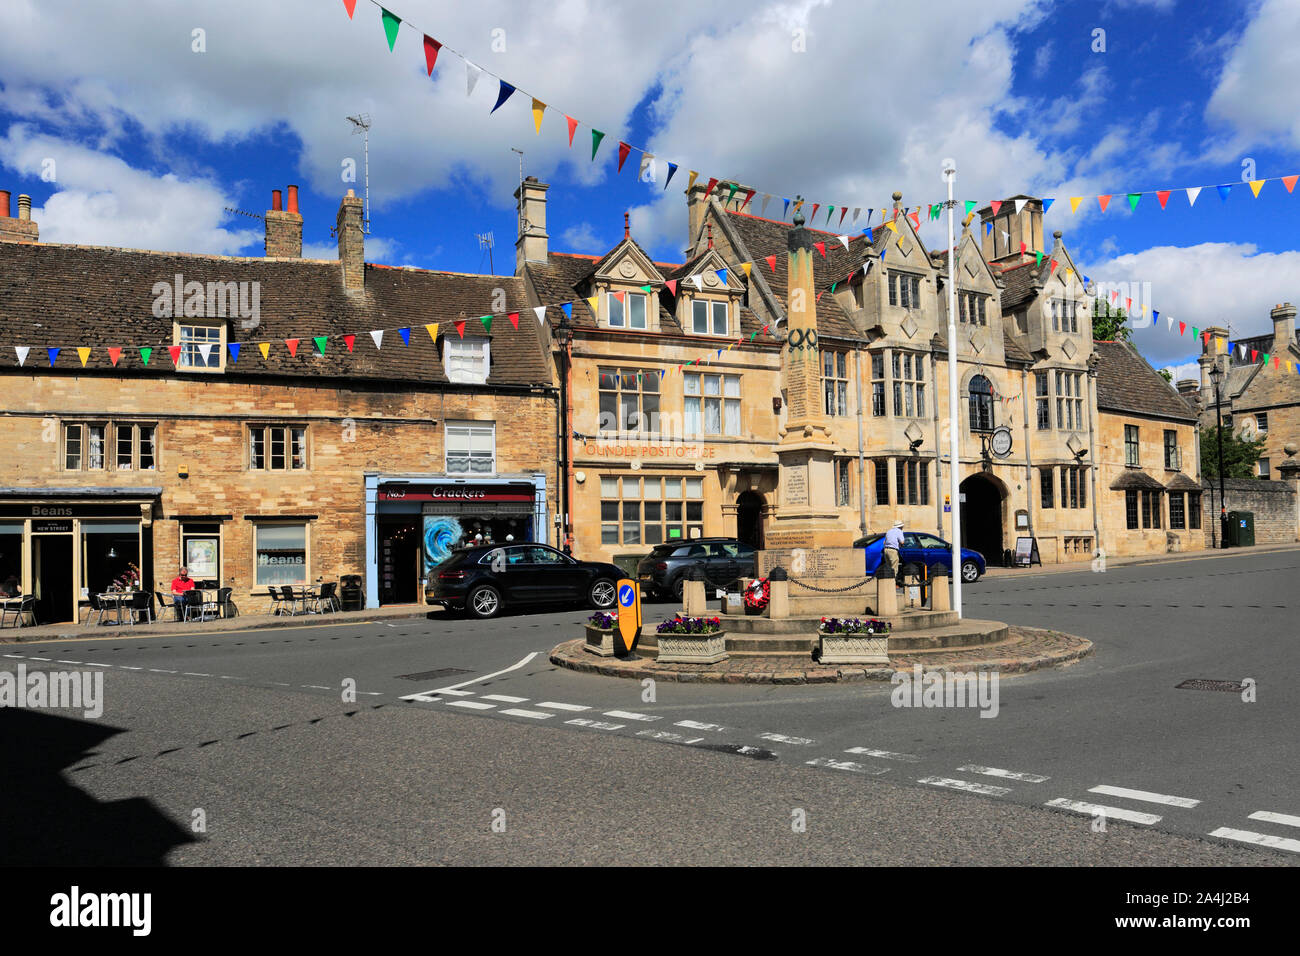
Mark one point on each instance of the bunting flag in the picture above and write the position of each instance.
(996, 205)
(672, 168)
(596, 137)
(293, 346)
(514, 319)
(1020, 204)
(378, 337)
(265, 349)
(592, 302)
(390, 27)
(472, 73)
(619, 296)
(1223, 191)
(699, 282)
(53, 355)
(690, 183)
(232, 347)
(1133, 200)
(538, 109)
(820, 247)
(771, 263)
(175, 351)
(709, 188)
(1074, 203)
(842, 212)
(1047, 204)
(1162, 196)
(1182, 328)
(460, 328)
(320, 341)
(1104, 201)
(22, 351)
(431, 48)
(1256, 185)
(116, 353)
(487, 322)
(722, 275)
(573, 128)
(1192, 193)
(205, 349)
(568, 310)
(83, 353)
(145, 352)
(672, 286)
(970, 206)
(747, 266)
(623, 150)
(767, 198)
(1289, 182)
(503, 94)
(432, 329)
(540, 312)
(406, 335)
(350, 6)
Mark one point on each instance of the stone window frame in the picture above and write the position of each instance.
(626, 325)
(907, 290)
(259, 524)
(469, 427)
(1043, 398)
(881, 469)
(453, 346)
(266, 428)
(978, 403)
(616, 375)
(912, 480)
(836, 383)
(723, 398)
(971, 308)
(135, 428)
(689, 326)
(843, 482)
(181, 365)
(1074, 487)
(879, 384)
(1132, 446)
(1173, 455)
(1046, 487)
(904, 390)
(1069, 399)
(637, 495)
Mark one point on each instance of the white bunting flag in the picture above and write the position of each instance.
(22, 351)
(206, 349)
(845, 240)
(541, 313)
(1020, 204)
(646, 160)
(472, 74)
(1241, 351)
(1169, 321)
(378, 336)
(1005, 235)
(699, 282)
(857, 211)
(1192, 193)
(767, 198)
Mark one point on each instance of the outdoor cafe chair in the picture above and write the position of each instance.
(26, 609)
(289, 597)
(223, 601)
(141, 601)
(96, 607)
(165, 602)
(327, 599)
(192, 603)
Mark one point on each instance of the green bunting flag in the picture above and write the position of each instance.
(596, 137)
(970, 204)
(145, 353)
(1133, 200)
(390, 27)
(487, 322)
(1038, 258)
(320, 341)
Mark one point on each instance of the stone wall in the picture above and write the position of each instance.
(1273, 502)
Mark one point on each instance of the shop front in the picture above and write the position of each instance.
(63, 545)
(416, 521)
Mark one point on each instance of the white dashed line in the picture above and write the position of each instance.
(696, 725)
(1005, 774)
(374, 693)
(554, 705)
(966, 786)
(658, 735)
(154, 670)
(128, 667)
(1145, 795)
(67, 662)
(1097, 810)
(17, 657)
(628, 715)
(423, 698)
(846, 765)
(309, 686)
(783, 739)
(1259, 839)
(1268, 816)
(471, 704)
(531, 714)
(228, 677)
(193, 674)
(594, 724)
(40, 659)
(449, 691)
(276, 683)
(92, 664)
(883, 754)
(504, 699)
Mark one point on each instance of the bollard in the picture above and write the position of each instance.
(693, 601)
(886, 597)
(940, 596)
(778, 598)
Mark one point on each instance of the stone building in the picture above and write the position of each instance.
(266, 421)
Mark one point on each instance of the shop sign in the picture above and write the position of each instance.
(457, 493)
(666, 451)
(51, 527)
(69, 511)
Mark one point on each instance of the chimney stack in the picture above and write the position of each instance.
(21, 229)
(1283, 327)
(531, 246)
(284, 227)
(352, 250)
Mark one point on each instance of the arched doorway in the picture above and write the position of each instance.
(981, 517)
(749, 518)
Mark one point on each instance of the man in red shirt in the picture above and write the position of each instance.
(180, 584)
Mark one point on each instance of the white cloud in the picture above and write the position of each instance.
(1258, 94)
(582, 238)
(1043, 59)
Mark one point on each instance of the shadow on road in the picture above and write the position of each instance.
(46, 821)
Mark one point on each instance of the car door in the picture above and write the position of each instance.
(936, 550)
(554, 576)
(911, 552)
(510, 569)
(722, 563)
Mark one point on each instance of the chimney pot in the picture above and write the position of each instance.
(627, 225)
(293, 198)
(24, 207)
(276, 202)
(4, 204)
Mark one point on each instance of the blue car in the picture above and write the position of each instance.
(921, 547)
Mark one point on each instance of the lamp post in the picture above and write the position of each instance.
(954, 466)
(1216, 374)
(565, 341)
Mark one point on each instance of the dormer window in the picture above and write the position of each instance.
(627, 313)
(905, 290)
(467, 360)
(202, 346)
(709, 318)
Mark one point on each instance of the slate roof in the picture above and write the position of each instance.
(65, 296)
(1132, 479)
(1126, 383)
(1020, 286)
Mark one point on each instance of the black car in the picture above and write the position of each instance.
(664, 571)
(484, 579)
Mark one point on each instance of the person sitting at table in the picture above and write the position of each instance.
(9, 587)
(180, 584)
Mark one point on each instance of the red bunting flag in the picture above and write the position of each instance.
(431, 48)
(460, 328)
(708, 189)
(350, 6)
(1163, 196)
(820, 294)
(1053, 269)
(1023, 248)
(672, 286)
(842, 212)
(348, 340)
(1104, 201)
(623, 150)
(820, 247)
(293, 346)
(1254, 356)
(114, 354)
(916, 218)
(176, 354)
(996, 204)
(816, 206)
(748, 196)
(765, 330)
(1182, 328)
(573, 128)
(514, 319)
(771, 262)
(1128, 305)
(1289, 182)
(619, 295)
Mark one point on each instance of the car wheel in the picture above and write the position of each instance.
(678, 586)
(602, 593)
(970, 572)
(484, 602)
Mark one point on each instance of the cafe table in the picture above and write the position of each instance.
(117, 600)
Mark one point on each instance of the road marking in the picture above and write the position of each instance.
(313, 686)
(486, 677)
(40, 658)
(67, 662)
(783, 739)
(1144, 795)
(423, 698)
(533, 714)
(1259, 839)
(595, 724)
(505, 699)
(128, 667)
(451, 692)
(154, 670)
(93, 664)
(15, 656)
(555, 705)
(1096, 809)
(846, 765)
(1007, 774)
(696, 725)
(628, 715)
(471, 704)
(193, 674)
(986, 789)
(1268, 816)
(658, 735)
(228, 677)
(883, 754)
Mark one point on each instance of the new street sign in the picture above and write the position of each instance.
(629, 616)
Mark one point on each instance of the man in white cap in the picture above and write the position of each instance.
(893, 541)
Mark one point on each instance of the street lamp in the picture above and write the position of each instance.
(1216, 374)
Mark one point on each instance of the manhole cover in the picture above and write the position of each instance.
(434, 675)
(1199, 683)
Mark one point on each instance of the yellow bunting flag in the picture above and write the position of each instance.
(538, 109)
(1256, 185)
(892, 227)
(593, 302)
(264, 348)
(1074, 203)
(432, 329)
(83, 353)
(691, 181)
(746, 266)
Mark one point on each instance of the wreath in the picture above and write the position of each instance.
(758, 593)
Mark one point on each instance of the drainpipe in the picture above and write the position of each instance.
(1092, 445)
(938, 450)
(1029, 461)
(567, 399)
(862, 473)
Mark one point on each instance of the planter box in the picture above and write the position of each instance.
(692, 648)
(600, 642)
(853, 648)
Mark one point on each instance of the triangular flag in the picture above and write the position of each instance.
(487, 322)
(568, 309)
(820, 247)
(722, 275)
(350, 6)
(988, 227)
(1103, 201)
(596, 137)
(731, 194)
(1163, 196)
(349, 340)
(767, 198)
(857, 211)
(431, 48)
(747, 266)
(1047, 204)
(1020, 204)
(1254, 356)
(83, 353)
(390, 27)
(538, 109)
(145, 352)
(619, 295)
(232, 346)
(22, 351)
(970, 205)
(845, 241)
(785, 210)
(293, 346)
(1038, 256)
(1256, 185)
(206, 350)
(1289, 182)
(816, 206)
(1052, 270)
(1133, 200)
(996, 204)
(405, 334)
(460, 328)
(573, 128)
(916, 218)
(1182, 328)
(514, 319)
(1192, 193)
(771, 263)
(843, 211)
(691, 182)
(623, 150)
(503, 94)
(378, 337)
(472, 73)
(540, 312)
(1224, 190)
(713, 181)
(592, 302)
(265, 349)
(699, 282)
(53, 354)
(321, 341)
(116, 353)
(672, 168)
(892, 227)
(1196, 333)
(175, 351)
(1074, 203)
(672, 286)
(1128, 305)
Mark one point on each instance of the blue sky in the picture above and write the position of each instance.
(153, 132)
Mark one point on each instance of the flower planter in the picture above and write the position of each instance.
(707, 648)
(600, 642)
(853, 647)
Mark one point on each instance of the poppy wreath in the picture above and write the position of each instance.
(758, 593)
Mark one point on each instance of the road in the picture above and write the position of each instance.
(464, 745)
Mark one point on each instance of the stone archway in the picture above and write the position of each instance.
(982, 516)
(750, 509)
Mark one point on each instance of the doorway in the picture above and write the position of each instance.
(749, 518)
(52, 578)
(981, 517)
(399, 561)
